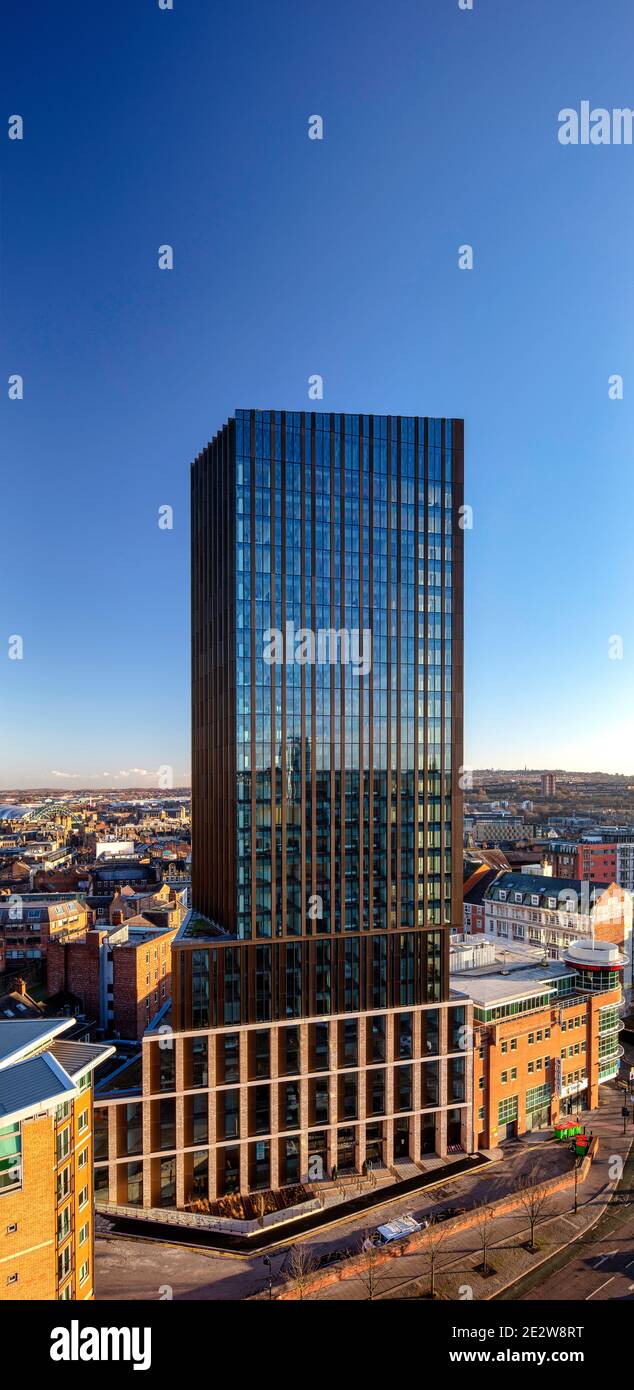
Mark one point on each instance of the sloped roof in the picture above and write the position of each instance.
(20, 1035)
(32, 1082)
(78, 1057)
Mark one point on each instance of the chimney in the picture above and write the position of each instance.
(21, 985)
(116, 918)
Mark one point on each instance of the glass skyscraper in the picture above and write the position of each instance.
(313, 1024)
(327, 582)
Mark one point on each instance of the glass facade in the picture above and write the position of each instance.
(327, 699)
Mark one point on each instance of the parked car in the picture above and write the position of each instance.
(447, 1213)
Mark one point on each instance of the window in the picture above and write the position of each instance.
(507, 1110)
(11, 1230)
(82, 1122)
(83, 1234)
(82, 1159)
(83, 1197)
(537, 1097)
(504, 1077)
(504, 1047)
(513, 1044)
(230, 1050)
(513, 1073)
(229, 1102)
(12, 1279)
(546, 1032)
(531, 1067)
(83, 1272)
(63, 1184)
(531, 1037)
(63, 1225)
(63, 1144)
(539, 1034)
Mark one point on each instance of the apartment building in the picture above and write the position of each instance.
(46, 1161)
(552, 913)
(596, 862)
(625, 866)
(29, 922)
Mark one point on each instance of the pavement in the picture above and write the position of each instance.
(587, 1255)
(129, 1268)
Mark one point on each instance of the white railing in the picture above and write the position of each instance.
(171, 1216)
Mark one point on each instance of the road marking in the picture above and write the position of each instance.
(630, 1264)
(602, 1258)
(601, 1286)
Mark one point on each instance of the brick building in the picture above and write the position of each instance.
(596, 862)
(46, 1161)
(30, 921)
(545, 1038)
(121, 973)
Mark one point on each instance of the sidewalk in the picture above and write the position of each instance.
(456, 1273)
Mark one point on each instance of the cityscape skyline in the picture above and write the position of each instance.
(316, 824)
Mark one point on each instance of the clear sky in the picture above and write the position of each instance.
(292, 256)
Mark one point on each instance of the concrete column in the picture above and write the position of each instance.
(389, 1089)
(414, 1129)
(244, 1109)
(182, 1137)
(333, 1085)
(361, 1092)
(304, 1092)
(275, 1109)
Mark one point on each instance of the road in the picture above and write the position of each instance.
(135, 1269)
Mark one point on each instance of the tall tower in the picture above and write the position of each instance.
(327, 694)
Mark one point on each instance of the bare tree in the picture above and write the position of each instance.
(484, 1223)
(370, 1271)
(300, 1267)
(432, 1242)
(534, 1199)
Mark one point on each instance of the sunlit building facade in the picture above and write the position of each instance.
(311, 991)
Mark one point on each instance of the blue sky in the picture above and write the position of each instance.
(292, 257)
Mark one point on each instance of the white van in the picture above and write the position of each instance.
(398, 1229)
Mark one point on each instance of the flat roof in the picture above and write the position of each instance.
(495, 988)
